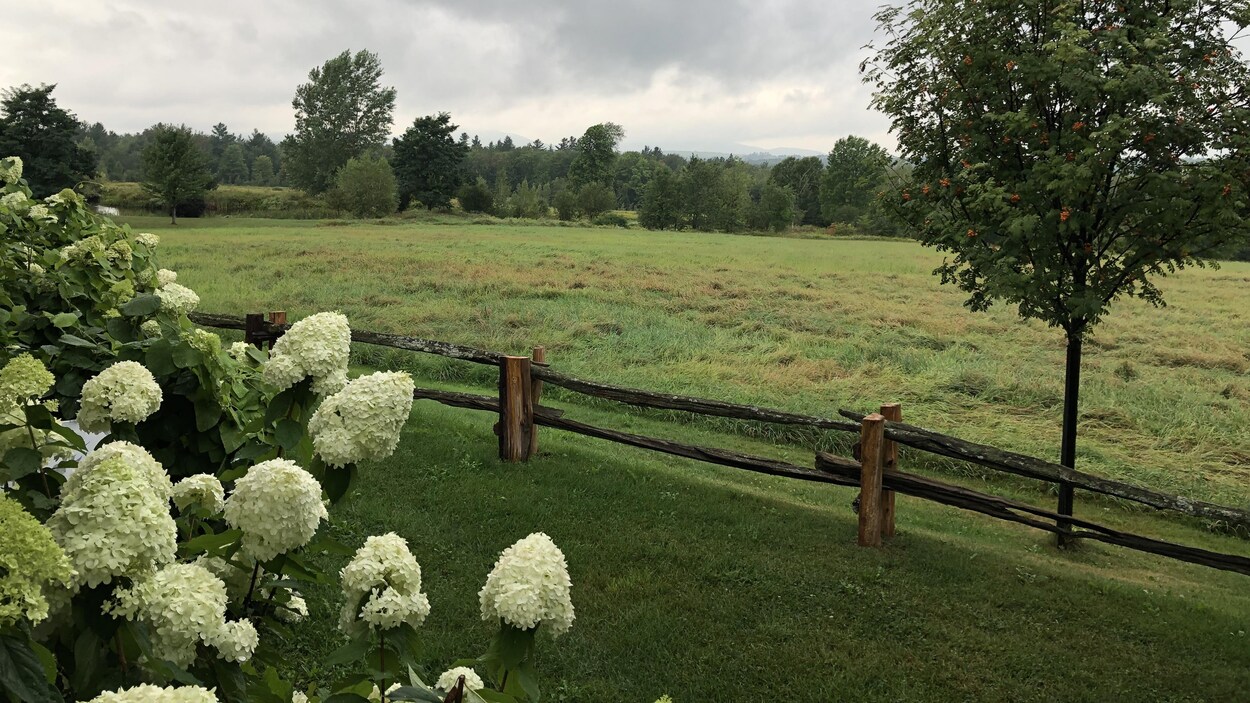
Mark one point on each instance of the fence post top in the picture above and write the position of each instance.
(874, 417)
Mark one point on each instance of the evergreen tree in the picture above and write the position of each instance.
(233, 168)
(661, 206)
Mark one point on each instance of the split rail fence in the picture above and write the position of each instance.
(875, 470)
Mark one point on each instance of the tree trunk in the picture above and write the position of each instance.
(1067, 451)
(173, 214)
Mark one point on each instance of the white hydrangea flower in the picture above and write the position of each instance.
(382, 587)
(206, 342)
(15, 201)
(299, 697)
(66, 196)
(24, 378)
(123, 392)
(165, 277)
(114, 515)
(278, 507)
(238, 578)
(362, 421)
(236, 641)
(376, 695)
(201, 489)
(296, 609)
(147, 693)
(185, 604)
(447, 680)
(238, 351)
(150, 328)
(148, 239)
(316, 346)
(11, 173)
(41, 212)
(177, 298)
(530, 586)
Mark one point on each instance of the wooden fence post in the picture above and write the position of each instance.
(892, 412)
(253, 325)
(277, 317)
(872, 431)
(536, 394)
(516, 408)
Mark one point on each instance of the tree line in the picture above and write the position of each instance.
(342, 150)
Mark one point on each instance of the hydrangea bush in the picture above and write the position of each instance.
(164, 563)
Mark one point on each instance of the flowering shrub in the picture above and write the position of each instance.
(161, 564)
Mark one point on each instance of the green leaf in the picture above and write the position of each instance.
(280, 406)
(22, 461)
(207, 411)
(338, 482)
(289, 433)
(121, 329)
(38, 417)
(160, 358)
(231, 437)
(494, 696)
(346, 698)
(72, 438)
(412, 693)
(185, 356)
(22, 672)
(210, 544)
(64, 319)
(76, 341)
(141, 306)
(350, 653)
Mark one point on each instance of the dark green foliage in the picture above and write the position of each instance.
(776, 209)
(856, 172)
(175, 170)
(341, 112)
(365, 187)
(594, 199)
(565, 203)
(596, 152)
(44, 136)
(476, 197)
(233, 168)
(262, 171)
(427, 162)
(803, 177)
(662, 203)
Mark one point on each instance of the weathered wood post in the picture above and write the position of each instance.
(516, 408)
(536, 394)
(872, 431)
(277, 317)
(892, 412)
(253, 329)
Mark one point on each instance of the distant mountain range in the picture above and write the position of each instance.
(746, 152)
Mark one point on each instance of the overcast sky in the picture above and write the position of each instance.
(683, 74)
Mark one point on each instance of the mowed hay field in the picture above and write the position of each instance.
(805, 325)
(711, 584)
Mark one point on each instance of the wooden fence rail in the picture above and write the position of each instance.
(875, 472)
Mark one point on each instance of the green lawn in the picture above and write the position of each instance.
(716, 585)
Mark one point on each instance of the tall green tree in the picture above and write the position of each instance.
(175, 170)
(45, 136)
(428, 162)
(776, 209)
(596, 152)
(661, 206)
(262, 171)
(803, 177)
(855, 171)
(1068, 153)
(341, 112)
(233, 165)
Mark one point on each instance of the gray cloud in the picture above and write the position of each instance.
(690, 74)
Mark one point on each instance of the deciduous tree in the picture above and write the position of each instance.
(175, 170)
(428, 162)
(596, 151)
(1066, 154)
(365, 187)
(341, 111)
(44, 136)
(855, 172)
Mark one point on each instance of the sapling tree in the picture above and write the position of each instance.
(1067, 154)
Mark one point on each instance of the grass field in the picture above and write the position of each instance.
(714, 585)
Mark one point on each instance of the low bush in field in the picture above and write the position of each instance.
(242, 201)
